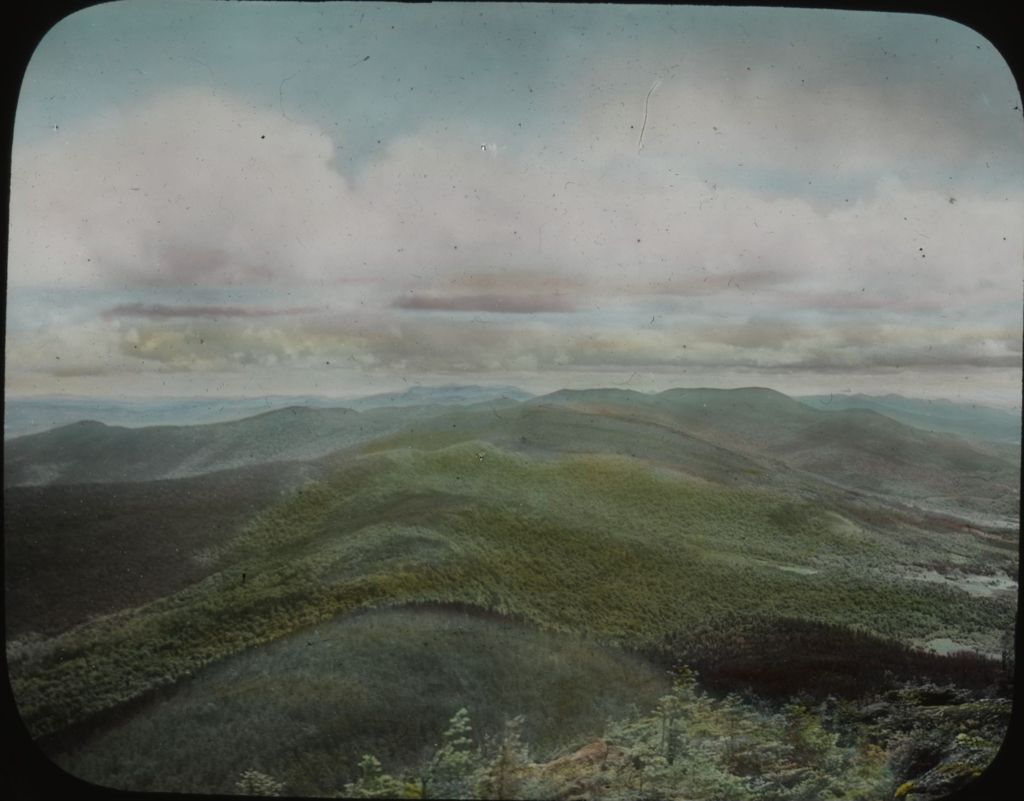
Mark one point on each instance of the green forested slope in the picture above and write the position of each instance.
(594, 545)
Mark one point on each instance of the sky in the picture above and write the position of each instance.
(255, 199)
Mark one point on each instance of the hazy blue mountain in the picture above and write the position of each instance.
(32, 415)
(449, 395)
(973, 421)
(89, 451)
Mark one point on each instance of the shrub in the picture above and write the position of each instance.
(252, 782)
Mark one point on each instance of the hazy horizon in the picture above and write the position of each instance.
(339, 199)
(406, 387)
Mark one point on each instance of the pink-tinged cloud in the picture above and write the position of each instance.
(701, 282)
(501, 304)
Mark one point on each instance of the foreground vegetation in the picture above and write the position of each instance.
(690, 744)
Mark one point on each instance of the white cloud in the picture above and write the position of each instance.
(196, 188)
(189, 188)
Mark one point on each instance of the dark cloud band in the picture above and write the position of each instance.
(501, 304)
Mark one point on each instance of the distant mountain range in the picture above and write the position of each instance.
(973, 421)
(747, 436)
(452, 394)
(31, 415)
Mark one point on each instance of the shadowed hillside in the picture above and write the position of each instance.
(74, 551)
(391, 678)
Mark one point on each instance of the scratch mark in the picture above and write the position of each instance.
(280, 94)
(364, 58)
(200, 61)
(647, 100)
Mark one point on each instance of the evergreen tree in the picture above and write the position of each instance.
(453, 770)
(672, 707)
(504, 776)
(252, 782)
(373, 782)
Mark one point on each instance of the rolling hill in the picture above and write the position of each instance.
(750, 437)
(723, 435)
(172, 576)
(90, 452)
(971, 421)
(32, 415)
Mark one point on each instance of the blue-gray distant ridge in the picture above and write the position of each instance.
(973, 421)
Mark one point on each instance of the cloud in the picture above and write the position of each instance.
(758, 333)
(193, 191)
(826, 97)
(501, 304)
(863, 301)
(703, 283)
(354, 349)
(397, 342)
(517, 279)
(188, 188)
(158, 311)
